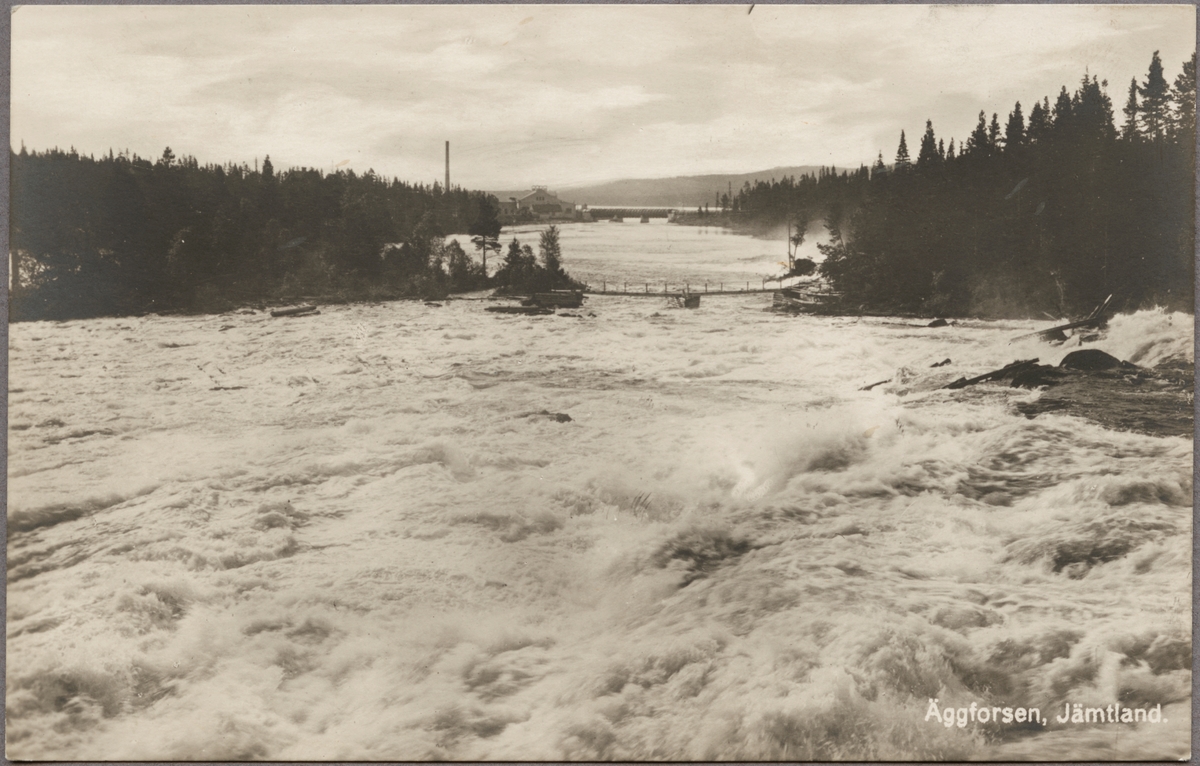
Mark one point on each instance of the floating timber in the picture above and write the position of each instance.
(806, 301)
(565, 299)
(1007, 371)
(532, 310)
(294, 311)
(1096, 319)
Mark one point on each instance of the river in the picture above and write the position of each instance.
(630, 531)
(633, 256)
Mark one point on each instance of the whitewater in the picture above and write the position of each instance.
(629, 531)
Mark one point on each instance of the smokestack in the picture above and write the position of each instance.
(447, 166)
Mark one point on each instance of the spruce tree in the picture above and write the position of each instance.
(1183, 115)
(1062, 112)
(878, 168)
(1091, 109)
(1014, 131)
(1155, 101)
(1129, 131)
(1037, 124)
(928, 156)
(977, 142)
(902, 160)
(551, 252)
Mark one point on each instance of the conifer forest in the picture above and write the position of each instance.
(1045, 211)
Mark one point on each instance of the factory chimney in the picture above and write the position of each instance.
(447, 166)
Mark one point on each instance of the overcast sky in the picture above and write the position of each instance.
(556, 94)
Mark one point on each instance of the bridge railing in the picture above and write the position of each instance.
(651, 289)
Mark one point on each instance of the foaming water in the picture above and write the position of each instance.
(1150, 338)
(364, 535)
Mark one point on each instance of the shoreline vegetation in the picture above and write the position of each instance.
(1046, 217)
(121, 235)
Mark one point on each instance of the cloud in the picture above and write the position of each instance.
(551, 93)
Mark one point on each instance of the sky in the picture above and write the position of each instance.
(561, 95)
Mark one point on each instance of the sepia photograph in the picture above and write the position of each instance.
(585, 382)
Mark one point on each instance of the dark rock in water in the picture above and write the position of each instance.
(1091, 359)
(1157, 402)
(701, 551)
(1101, 388)
(431, 304)
(557, 417)
(942, 363)
(1007, 371)
(938, 323)
(1036, 377)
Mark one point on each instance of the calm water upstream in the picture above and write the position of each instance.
(364, 535)
(643, 256)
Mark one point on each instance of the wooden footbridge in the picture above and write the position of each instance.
(665, 289)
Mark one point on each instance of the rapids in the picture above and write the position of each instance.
(363, 535)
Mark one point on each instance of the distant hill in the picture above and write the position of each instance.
(681, 191)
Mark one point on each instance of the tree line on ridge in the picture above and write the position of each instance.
(1045, 213)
